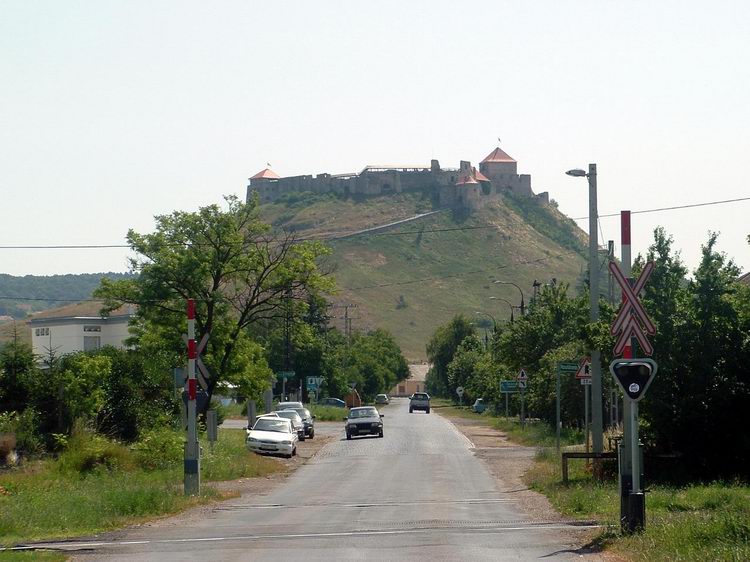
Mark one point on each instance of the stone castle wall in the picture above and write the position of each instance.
(443, 181)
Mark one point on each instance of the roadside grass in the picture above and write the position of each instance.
(535, 432)
(48, 500)
(327, 413)
(696, 522)
(234, 411)
(36, 556)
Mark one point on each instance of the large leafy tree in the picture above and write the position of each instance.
(440, 351)
(238, 271)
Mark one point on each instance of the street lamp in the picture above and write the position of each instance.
(523, 305)
(596, 368)
(506, 302)
(494, 322)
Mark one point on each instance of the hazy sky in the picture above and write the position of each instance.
(112, 112)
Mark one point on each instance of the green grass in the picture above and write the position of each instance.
(43, 501)
(534, 433)
(327, 413)
(698, 522)
(413, 283)
(36, 556)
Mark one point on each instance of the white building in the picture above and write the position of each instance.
(78, 327)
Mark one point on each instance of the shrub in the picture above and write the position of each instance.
(159, 448)
(87, 451)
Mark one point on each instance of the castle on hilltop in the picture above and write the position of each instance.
(464, 188)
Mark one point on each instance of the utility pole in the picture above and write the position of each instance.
(596, 361)
(192, 478)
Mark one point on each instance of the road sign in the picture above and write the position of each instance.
(585, 381)
(633, 375)
(584, 370)
(567, 367)
(313, 383)
(521, 384)
(632, 320)
(460, 390)
(522, 376)
(508, 386)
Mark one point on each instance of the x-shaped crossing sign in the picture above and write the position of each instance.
(632, 320)
(202, 375)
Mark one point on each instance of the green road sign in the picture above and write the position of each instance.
(508, 386)
(567, 367)
(288, 374)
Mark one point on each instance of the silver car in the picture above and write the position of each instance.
(297, 423)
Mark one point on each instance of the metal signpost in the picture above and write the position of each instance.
(522, 378)
(284, 377)
(460, 392)
(584, 375)
(633, 375)
(566, 367)
(508, 387)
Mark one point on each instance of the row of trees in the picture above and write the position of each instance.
(260, 301)
(702, 345)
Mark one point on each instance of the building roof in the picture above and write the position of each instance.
(479, 176)
(266, 174)
(466, 180)
(498, 155)
(745, 278)
(86, 309)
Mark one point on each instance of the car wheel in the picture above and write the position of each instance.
(302, 437)
(411, 411)
(428, 410)
(294, 452)
(380, 434)
(348, 435)
(312, 434)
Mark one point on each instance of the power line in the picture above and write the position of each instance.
(333, 236)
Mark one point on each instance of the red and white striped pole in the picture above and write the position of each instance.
(192, 449)
(627, 262)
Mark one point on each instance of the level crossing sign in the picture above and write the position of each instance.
(584, 369)
(632, 320)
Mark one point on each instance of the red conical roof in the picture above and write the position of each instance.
(266, 174)
(497, 155)
(464, 180)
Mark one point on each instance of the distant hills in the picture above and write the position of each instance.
(408, 278)
(21, 296)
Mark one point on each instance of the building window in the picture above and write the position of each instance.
(92, 328)
(91, 343)
(42, 331)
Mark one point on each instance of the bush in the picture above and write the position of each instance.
(87, 451)
(159, 448)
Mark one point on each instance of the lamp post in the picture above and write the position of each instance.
(494, 322)
(596, 364)
(506, 302)
(523, 304)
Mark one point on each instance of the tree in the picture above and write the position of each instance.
(238, 271)
(17, 366)
(440, 351)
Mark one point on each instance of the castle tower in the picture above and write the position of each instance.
(498, 162)
(502, 171)
(265, 183)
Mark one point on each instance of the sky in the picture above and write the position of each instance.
(114, 112)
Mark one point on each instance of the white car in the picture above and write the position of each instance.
(272, 436)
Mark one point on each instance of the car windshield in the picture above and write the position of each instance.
(289, 414)
(362, 413)
(273, 424)
(288, 405)
(303, 412)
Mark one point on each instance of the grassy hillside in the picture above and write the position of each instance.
(439, 266)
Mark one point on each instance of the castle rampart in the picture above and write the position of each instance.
(464, 187)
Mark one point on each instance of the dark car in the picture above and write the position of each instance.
(308, 420)
(338, 402)
(364, 420)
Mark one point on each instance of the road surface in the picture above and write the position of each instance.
(416, 494)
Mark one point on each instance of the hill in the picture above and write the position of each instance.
(20, 296)
(414, 276)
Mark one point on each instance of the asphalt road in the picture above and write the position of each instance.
(416, 494)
